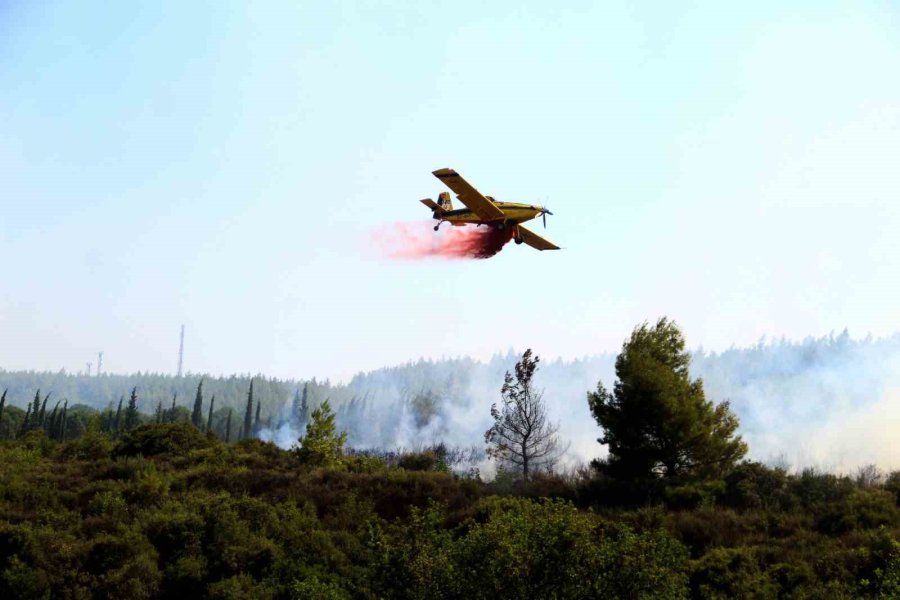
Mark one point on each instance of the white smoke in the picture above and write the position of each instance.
(830, 403)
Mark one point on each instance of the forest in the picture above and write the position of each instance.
(172, 490)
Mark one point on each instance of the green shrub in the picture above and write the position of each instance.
(730, 573)
(753, 485)
(168, 438)
(418, 461)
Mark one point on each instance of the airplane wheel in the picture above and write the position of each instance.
(519, 240)
(436, 227)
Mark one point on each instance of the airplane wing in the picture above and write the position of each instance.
(472, 198)
(536, 241)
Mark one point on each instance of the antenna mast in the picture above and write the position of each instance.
(181, 352)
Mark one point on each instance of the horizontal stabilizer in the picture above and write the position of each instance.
(431, 204)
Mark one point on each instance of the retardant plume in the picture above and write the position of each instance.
(413, 241)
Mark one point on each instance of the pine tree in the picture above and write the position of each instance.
(159, 413)
(171, 418)
(118, 426)
(228, 427)
(248, 414)
(322, 445)
(197, 414)
(131, 413)
(657, 421)
(256, 422)
(209, 421)
(521, 437)
(2, 403)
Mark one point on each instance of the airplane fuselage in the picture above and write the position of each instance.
(512, 213)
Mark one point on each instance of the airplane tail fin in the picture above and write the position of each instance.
(444, 201)
(443, 204)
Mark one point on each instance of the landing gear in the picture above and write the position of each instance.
(436, 226)
(519, 240)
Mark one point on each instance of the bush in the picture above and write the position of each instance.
(730, 573)
(753, 485)
(169, 438)
(418, 461)
(92, 445)
(892, 484)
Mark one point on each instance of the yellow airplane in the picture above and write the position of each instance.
(484, 210)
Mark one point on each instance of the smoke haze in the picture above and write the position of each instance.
(830, 403)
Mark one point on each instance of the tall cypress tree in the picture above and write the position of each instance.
(43, 413)
(131, 413)
(248, 414)
(212, 404)
(31, 416)
(119, 415)
(65, 421)
(2, 404)
(159, 413)
(171, 418)
(228, 427)
(52, 421)
(256, 421)
(295, 406)
(197, 414)
(24, 426)
(304, 405)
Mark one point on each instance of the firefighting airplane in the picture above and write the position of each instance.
(484, 210)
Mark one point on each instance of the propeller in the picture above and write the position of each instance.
(544, 213)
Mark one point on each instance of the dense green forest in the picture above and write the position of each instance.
(129, 503)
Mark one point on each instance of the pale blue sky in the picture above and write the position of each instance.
(731, 165)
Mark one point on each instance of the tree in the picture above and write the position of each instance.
(228, 427)
(657, 421)
(2, 404)
(43, 413)
(521, 438)
(248, 414)
(171, 418)
(209, 421)
(159, 413)
(197, 414)
(300, 406)
(322, 445)
(119, 415)
(53, 422)
(65, 421)
(31, 415)
(132, 419)
(256, 421)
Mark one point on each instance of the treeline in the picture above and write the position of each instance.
(779, 389)
(59, 423)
